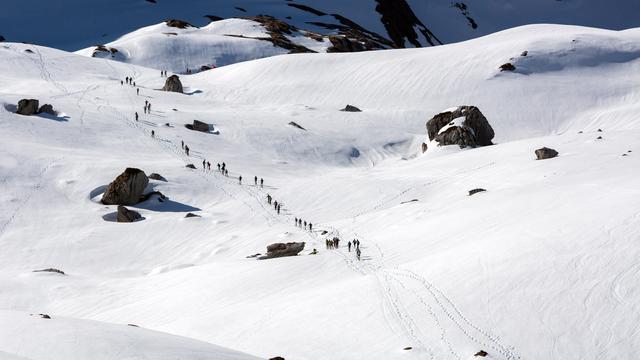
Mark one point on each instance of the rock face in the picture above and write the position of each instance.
(47, 109)
(281, 249)
(401, 23)
(28, 106)
(173, 84)
(466, 126)
(546, 153)
(350, 108)
(198, 126)
(127, 188)
(180, 24)
(126, 216)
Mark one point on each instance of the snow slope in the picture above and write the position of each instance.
(541, 266)
(29, 336)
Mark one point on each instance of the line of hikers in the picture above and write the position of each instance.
(163, 73)
(147, 107)
(276, 205)
(303, 224)
(128, 81)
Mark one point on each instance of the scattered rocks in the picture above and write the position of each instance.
(599, 130)
(127, 188)
(297, 126)
(156, 176)
(546, 153)
(350, 108)
(524, 53)
(481, 353)
(190, 215)
(190, 166)
(599, 138)
(341, 43)
(507, 67)
(28, 51)
(408, 348)
(409, 201)
(199, 126)
(127, 216)
(43, 316)
(282, 249)
(51, 270)
(475, 191)
(180, 24)
(277, 358)
(253, 256)
(324, 232)
(28, 107)
(134, 325)
(173, 84)
(465, 126)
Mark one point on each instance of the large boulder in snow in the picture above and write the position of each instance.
(282, 249)
(546, 153)
(127, 188)
(47, 109)
(198, 126)
(126, 216)
(173, 84)
(463, 126)
(28, 106)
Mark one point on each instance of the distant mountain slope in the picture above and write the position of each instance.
(79, 23)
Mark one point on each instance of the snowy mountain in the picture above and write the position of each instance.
(79, 24)
(541, 265)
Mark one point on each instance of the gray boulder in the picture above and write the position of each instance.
(126, 216)
(190, 166)
(282, 249)
(546, 153)
(156, 176)
(350, 108)
(173, 84)
(474, 129)
(28, 106)
(47, 109)
(127, 188)
(198, 126)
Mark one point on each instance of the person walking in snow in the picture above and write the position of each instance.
(275, 205)
(268, 199)
(204, 164)
(121, 83)
(186, 150)
(134, 84)
(182, 143)
(358, 253)
(296, 221)
(349, 246)
(149, 106)
(218, 166)
(136, 116)
(224, 166)
(126, 79)
(310, 227)
(209, 166)
(153, 133)
(226, 173)
(261, 182)
(255, 180)
(240, 179)
(137, 91)
(305, 224)
(279, 206)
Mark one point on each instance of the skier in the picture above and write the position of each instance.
(240, 179)
(255, 180)
(136, 116)
(261, 182)
(349, 246)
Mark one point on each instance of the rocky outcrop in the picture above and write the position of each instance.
(507, 67)
(282, 249)
(190, 215)
(180, 24)
(341, 43)
(2, 38)
(481, 353)
(173, 84)
(198, 126)
(47, 109)
(126, 189)
(401, 24)
(28, 106)
(546, 153)
(190, 166)
(464, 126)
(126, 216)
(350, 108)
(475, 191)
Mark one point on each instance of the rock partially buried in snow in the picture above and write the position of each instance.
(475, 191)
(180, 24)
(47, 109)
(282, 249)
(127, 188)
(296, 125)
(28, 107)
(507, 67)
(156, 176)
(190, 166)
(463, 126)
(127, 216)
(481, 353)
(350, 108)
(546, 153)
(190, 215)
(51, 270)
(173, 84)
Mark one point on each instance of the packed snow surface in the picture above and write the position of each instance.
(543, 265)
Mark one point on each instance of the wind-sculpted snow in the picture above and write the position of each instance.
(541, 265)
